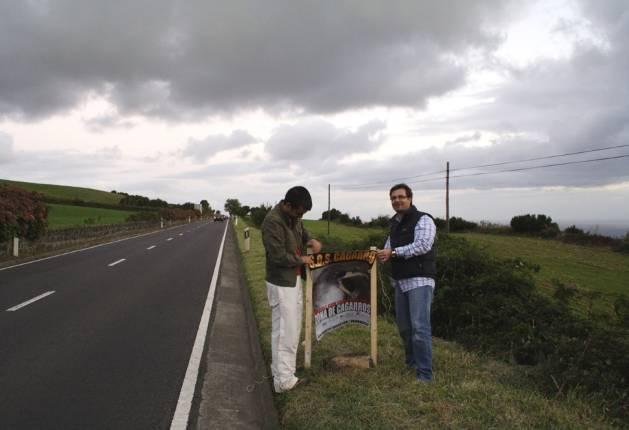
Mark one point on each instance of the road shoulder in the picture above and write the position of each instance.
(236, 391)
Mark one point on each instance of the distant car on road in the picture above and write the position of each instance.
(220, 217)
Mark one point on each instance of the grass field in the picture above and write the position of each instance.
(469, 391)
(585, 267)
(61, 216)
(347, 233)
(66, 192)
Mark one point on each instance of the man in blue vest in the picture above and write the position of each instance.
(410, 248)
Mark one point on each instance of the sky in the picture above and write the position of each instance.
(193, 100)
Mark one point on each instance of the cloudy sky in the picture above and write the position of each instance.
(191, 100)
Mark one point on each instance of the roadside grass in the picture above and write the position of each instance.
(68, 192)
(470, 391)
(62, 216)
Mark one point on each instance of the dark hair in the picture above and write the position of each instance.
(299, 197)
(409, 192)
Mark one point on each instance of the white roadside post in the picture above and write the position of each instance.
(188, 220)
(161, 223)
(247, 240)
(16, 246)
(236, 221)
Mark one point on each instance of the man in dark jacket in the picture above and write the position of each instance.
(285, 240)
(410, 247)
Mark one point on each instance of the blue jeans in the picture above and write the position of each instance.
(412, 312)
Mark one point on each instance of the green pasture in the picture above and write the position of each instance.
(67, 192)
(469, 391)
(347, 233)
(585, 267)
(61, 216)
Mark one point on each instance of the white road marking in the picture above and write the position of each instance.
(28, 302)
(169, 239)
(116, 262)
(182, 412)
(180, 234)
(151, 247)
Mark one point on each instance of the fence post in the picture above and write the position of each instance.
(16, 246)
(247, 240)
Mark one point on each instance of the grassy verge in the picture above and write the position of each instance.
(61, 216)
(469, 391)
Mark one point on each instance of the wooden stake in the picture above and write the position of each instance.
(374, 311)
(308, 334)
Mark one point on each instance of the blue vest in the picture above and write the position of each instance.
(403, 233)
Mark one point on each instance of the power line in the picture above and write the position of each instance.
(544, 158)
(526, 168)
(371, 184)
(543, 166)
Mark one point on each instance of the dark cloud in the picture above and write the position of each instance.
(176, 59)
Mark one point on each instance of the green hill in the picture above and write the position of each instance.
(68, 193)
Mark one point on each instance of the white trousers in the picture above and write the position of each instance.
(286, 318)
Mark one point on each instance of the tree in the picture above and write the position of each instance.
(233, 206)
(335, 214)
(381, 221)
(205, 205)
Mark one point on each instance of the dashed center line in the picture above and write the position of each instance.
(116, 262)
(151, 247)
(180, 234)
(28, 302)
(170, 238)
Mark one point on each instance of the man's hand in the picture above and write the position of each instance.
(384, 254)
(306, 259)
(315, 245)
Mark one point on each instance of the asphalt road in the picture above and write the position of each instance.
(108, 349)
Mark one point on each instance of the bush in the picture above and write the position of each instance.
(493, 305)
(493, 228)
(622, 246)
(540, 225)
(381, 221)
(257, 214)
(144, 216)
(22, 214)
(173, 214)
(456, 224)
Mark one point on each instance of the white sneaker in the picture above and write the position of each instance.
(286, 386)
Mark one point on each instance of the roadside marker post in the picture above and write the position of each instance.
(247, 239)
(16, 247)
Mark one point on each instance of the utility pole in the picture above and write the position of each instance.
(447, 197)
(328, 210)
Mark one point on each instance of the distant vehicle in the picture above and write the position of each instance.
(220, 217)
